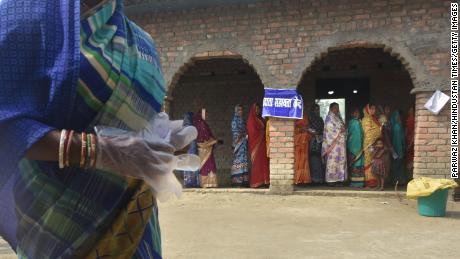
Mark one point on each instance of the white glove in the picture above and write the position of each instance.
(149, 154)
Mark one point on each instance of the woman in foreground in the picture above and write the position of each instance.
(66, 191)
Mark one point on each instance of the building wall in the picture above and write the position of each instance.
(284, 39)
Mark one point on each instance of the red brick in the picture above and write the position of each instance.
(437, 130)
(286, 160)
(425, 148)
(418, 165)
(436, 165)
(277, 134)
(421, 130)
(425, 159)
(285, 150)
(424, 124)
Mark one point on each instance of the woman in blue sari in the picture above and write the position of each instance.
(70, 193)
(191, 178)
(398, 170)
(240, 175)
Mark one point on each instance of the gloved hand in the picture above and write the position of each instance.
(149, 154)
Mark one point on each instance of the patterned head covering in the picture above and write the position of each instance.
(238, 125)
(204, 131)
(367, 114)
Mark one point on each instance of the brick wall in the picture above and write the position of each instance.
(282, 38)
(432, 140)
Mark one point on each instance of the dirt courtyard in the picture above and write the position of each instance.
(236, 225)
(242, 225)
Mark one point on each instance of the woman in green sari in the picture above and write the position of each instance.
(398, 171)
(355, 150)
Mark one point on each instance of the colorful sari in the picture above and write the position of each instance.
(302, 141)
(410, 138)
(260, 171)
(334, 149)
(355, 152)
(398, 170)
(240, 171)
(206, 142)
(372, 131)
(103, 70)
(191, 178)
(315, 146)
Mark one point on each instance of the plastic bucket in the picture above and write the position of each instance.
(433, 205)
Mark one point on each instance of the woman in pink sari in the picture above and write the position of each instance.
(206, 142)
(260, 172)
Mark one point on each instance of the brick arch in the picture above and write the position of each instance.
(206, 55)
(410, 63)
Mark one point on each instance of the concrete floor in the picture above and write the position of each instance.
(256, 225)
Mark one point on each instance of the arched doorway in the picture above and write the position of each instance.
(354, 76)
(217, 84)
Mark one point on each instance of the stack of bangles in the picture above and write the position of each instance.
(87, 150)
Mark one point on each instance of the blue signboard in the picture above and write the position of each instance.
(282, 103)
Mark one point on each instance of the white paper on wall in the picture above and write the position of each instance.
(437, 102)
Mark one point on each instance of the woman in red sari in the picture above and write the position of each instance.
(410, 137)
(260, 172)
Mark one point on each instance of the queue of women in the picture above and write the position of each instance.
(368, 151)
(249, 142)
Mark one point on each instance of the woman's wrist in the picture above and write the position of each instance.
(75, 150)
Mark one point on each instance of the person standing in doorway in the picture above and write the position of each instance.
(410, 139)
(316, 128)
(334, 146)
(372, 131)
(206, 142)
(384, 120)
(302, 141)
(355, 149)
(398, 170)
(240, 171)
(260, 171)
(191, 178)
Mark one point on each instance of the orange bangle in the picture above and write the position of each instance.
(83, 150)
(67, 150)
